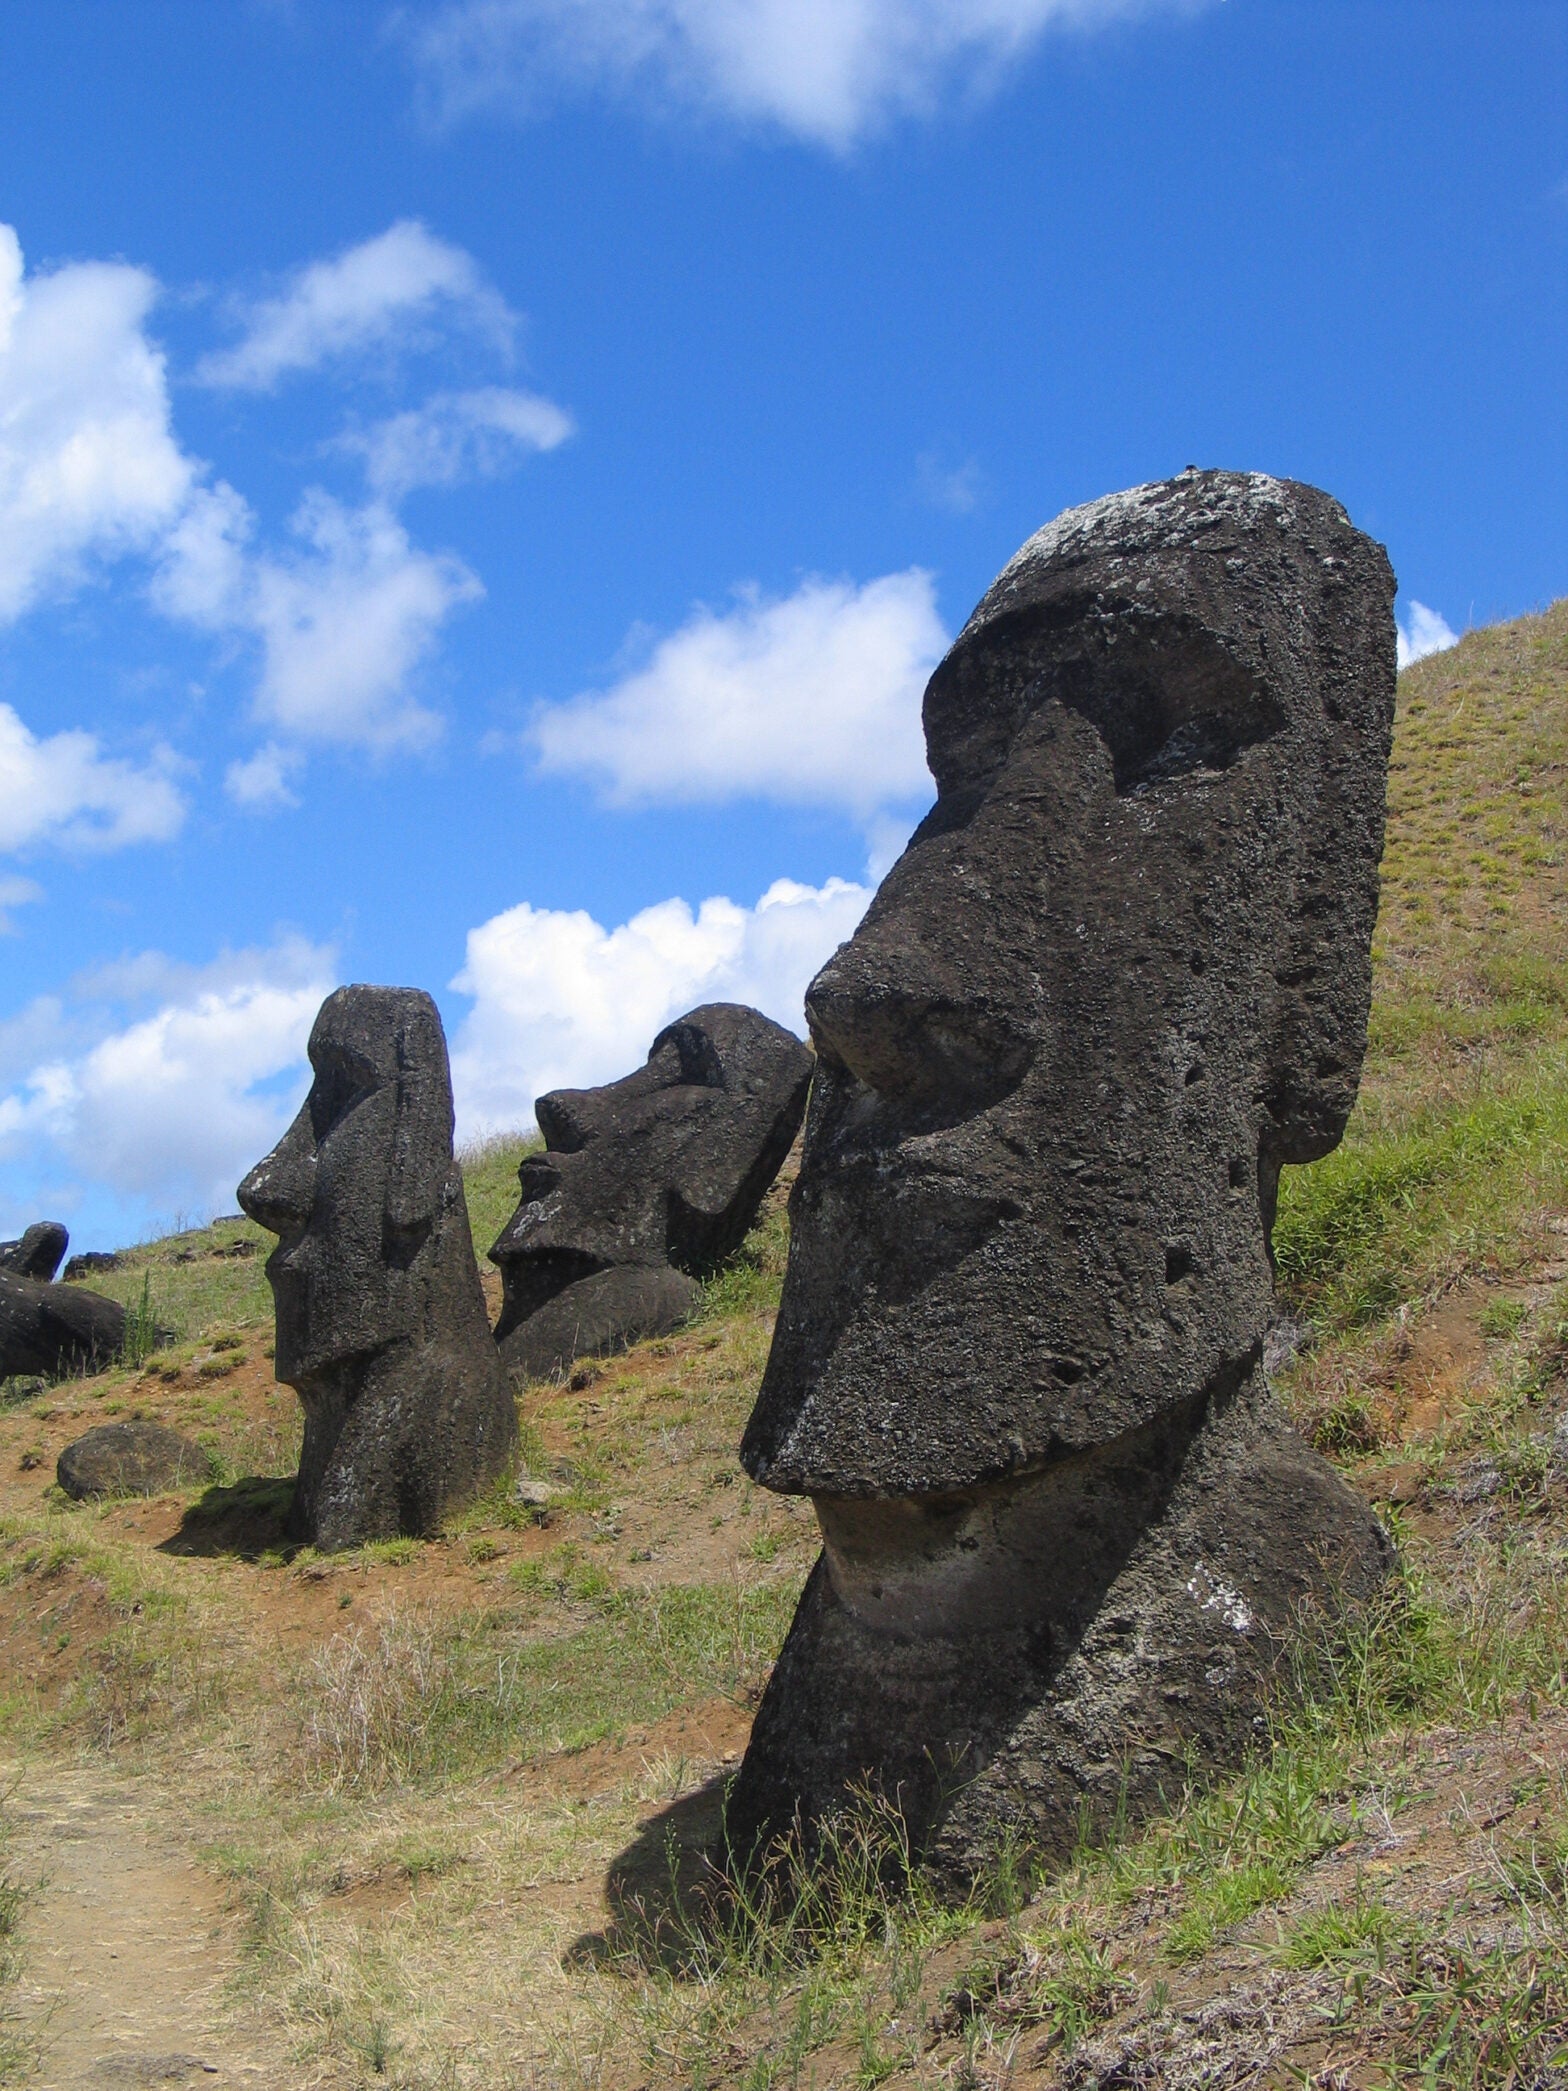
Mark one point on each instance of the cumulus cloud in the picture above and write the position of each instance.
(165, 1107)
(89, 466)
(1424, 631)
(457, 435)
(829, 71)
(65, 790)
(345, 624)
(264, 781)
(394, 288)
(561, 1001)
(813, 699)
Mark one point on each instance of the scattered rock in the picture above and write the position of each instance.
(90, 1262)
(54, 1330)
(381, 1322)
(38, 1253)
(1120, 975)
(130, 1459)
(645, 1186)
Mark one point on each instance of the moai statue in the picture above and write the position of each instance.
(1119, 977)
(645, 1185)
(38, 1253)
(381, 1323)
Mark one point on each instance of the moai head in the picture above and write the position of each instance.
(381, 1322)
(1119, 976)
(662, 1171)
(355, 1186)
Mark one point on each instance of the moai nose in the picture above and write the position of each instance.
(280, 1191)
(908, 1040)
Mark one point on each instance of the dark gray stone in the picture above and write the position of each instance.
(599, 1315)
(90, 1262)
(56, 1330)
(130, 1459)
(1119, 977)
(39, 1252)
(645, 1179)
(381, 1324)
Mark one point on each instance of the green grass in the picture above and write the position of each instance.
(490, 1183)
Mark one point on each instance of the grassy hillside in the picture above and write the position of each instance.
(452, 1793)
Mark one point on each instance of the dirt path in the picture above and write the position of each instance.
(126, 1945)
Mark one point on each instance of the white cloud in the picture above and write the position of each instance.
(457, 435)
(812, 700)
(262, 783)
(345, 625)
(16, 893)
(955, 489)
(65, 790)
(168, 1110)
(387, 290)
(1424, 631)
(825, 70)
(89, 467)
(561, 1001)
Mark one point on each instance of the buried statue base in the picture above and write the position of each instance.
(1018, 1659)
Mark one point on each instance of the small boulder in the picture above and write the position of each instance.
(130, 1459)
(39, 1252)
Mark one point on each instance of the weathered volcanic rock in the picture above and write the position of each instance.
(1119, 977)
(381, 1324)
(39, 1253)
(91, 1261)
(645, 1180)
(55, 1329)
(130, 1459)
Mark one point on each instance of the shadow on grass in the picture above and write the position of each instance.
(245, 1519)
(662, 1888)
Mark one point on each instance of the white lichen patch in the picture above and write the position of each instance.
(1207, 1590)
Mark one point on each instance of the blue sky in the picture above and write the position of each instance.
(482, 484)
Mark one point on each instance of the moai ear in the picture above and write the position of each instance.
(421, 1152)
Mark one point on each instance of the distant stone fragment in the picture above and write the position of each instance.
(1119, 977)
(89, 1263)
(645, 1186)
(56, 1330)
(381, 1323)
(39, 1252)
(130, 1459)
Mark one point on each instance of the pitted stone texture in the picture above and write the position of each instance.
(56, 1330)
(381, 1324)
(39, 1252)
(1119, 977)
(644, 1180)
(130, 1459)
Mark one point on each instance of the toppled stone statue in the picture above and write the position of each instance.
(1119, 977)
(645, 1186)
(381, 1323)
(137, 1458)
(39, 1252)
(56, 1330)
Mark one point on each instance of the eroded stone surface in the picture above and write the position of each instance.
(645, 1185)
(136, 1458)
(55, 1329)
(1119, 977)
(381, 1324)
(39, 1251)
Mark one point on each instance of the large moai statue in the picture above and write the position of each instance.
(1119, 977)
(381, 1323)
(646, 1185)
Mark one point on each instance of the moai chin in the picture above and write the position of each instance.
(381, 1323)
(1119, 977)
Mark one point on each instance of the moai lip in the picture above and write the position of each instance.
(381, 1322)
(645, 1185)
(1118, 979)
